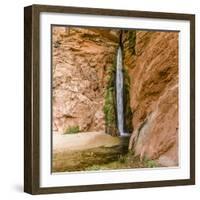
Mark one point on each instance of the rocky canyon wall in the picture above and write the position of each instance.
(151, 59)
(81, 59)
(83, 91)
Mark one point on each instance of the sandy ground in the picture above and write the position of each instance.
(82, 141)
(90, 151)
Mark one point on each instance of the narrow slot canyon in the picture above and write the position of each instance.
(114, 99)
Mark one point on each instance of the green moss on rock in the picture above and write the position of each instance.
(128, 115)
(132, 41)
(110, 102)
(110, 105)
(72, 130)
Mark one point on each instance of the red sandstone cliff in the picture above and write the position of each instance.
(153, 72)
(81, 58)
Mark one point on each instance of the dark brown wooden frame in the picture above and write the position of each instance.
(32, 106)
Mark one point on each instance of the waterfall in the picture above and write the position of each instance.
(119, 93)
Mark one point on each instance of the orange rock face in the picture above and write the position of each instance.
(80, 59)
(153, 72)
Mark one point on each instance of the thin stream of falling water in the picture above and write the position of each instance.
(119, 93)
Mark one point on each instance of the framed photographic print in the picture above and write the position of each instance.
(109, 99)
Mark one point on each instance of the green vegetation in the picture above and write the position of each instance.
(128, 115)
(127, 161)
(95, 168)
(110, 102)
(150, 163)
(72, 130)
(131, 41)
(109, 107)
(100, 158)
(122, 159)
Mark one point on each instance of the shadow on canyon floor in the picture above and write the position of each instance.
(99, 151)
